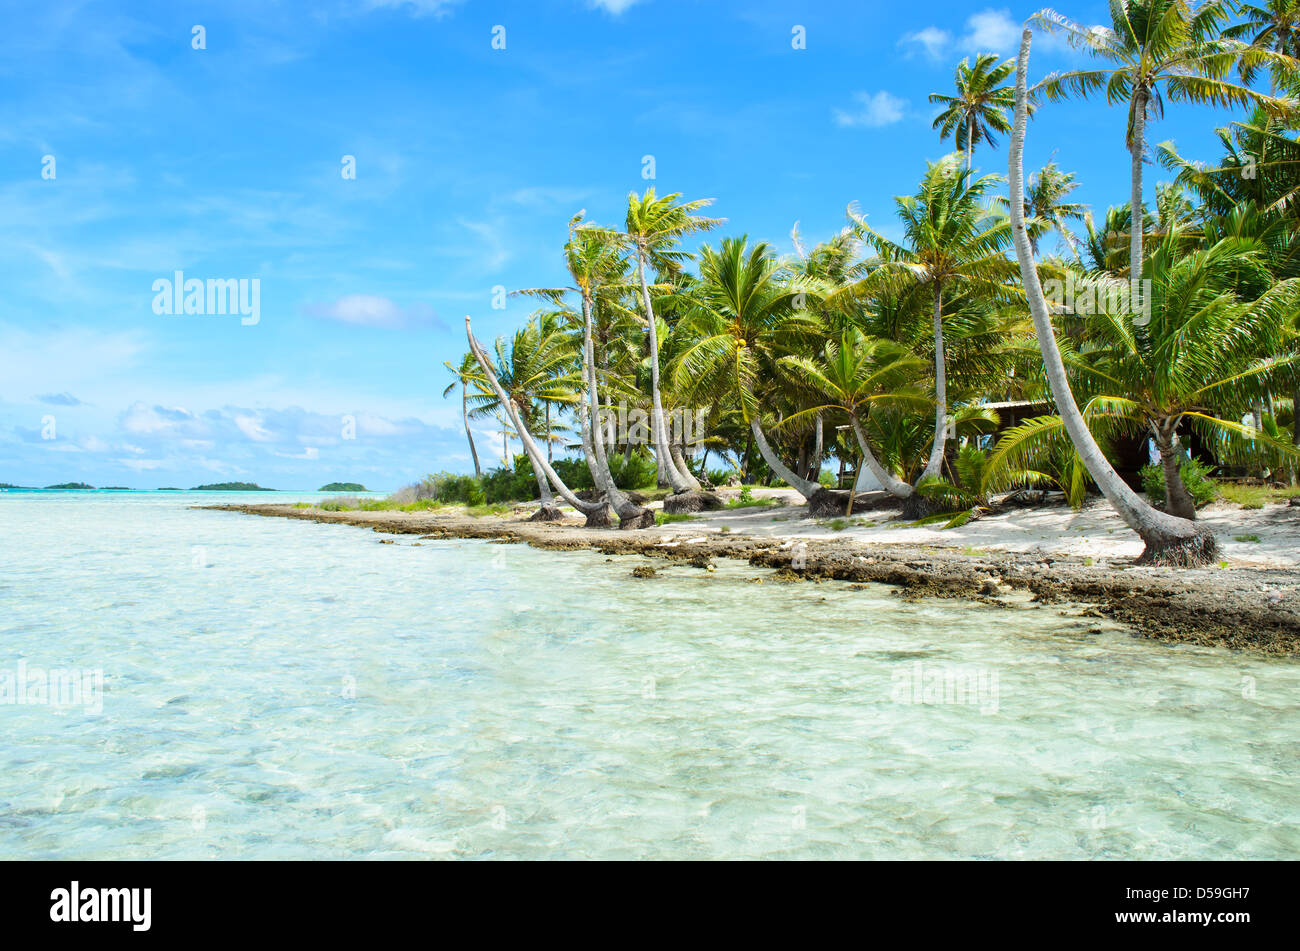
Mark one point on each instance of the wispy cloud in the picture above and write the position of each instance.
(873, 110)
(60, 399)
(368, 310)
(613, 6)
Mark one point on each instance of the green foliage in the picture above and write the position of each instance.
(667, 518)
(343, 487)
(1196, 477)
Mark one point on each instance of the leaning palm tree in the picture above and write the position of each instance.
(655, 226)
(954, 247)
(597, 512)
(593, 258)
(854, 374)
(980, 107)
(1157, 49)
(536, 367)
(742, 315)
(1168, 540)
(464, 375)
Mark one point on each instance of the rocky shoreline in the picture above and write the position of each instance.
(1254, 609)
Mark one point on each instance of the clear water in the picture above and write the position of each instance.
(277, 689)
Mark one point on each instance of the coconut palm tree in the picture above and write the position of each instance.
(852, 375)
(1168, 540)
(1274, 26)
(741, 315)
(1157, 49)
(655, 226)
(953, 249)
(537, 366)
(593, 258)
(979, 109)
(513, 408)
(464, 375)
(1046, 205)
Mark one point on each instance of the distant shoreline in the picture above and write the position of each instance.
(1210, 606)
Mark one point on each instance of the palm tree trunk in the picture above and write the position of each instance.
(970, 150)
(550, 445)
(819, 447)
(1169, 540)
(1137, 146)
(799, 484)
(888, 481)
(1178, 501)
(630, 514)
(663, 458)
(1295, 426)
(464, 412)
(940, 389)
(530, 447)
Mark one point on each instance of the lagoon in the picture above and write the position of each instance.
(278, 689)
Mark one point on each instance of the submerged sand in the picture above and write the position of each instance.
(1082, 561)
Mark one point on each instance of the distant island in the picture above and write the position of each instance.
(116, 488)
(232, 487)
(70, 485)
(343, 487)
(6, 485)
(168, 488)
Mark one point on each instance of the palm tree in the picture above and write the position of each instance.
(594, 260)
(536, 367)
(1203, 357)
(654, 228)
(596, 512)
(980, 107)
(1275, 26)
(1158, 49)
(464, 375)
(1045, 205)
(1168, 540)
(954, 247)
(853, 374)
(742, 315)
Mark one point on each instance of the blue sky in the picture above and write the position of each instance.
(225, 163)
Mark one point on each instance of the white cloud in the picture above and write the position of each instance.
(252, 427)
(613, 6)
(991, 31)
(882, 108)
(932, 41)
(369, 310)
(988, 31)
(419, 8)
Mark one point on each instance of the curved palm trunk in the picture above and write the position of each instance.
(1169, 540)
(798, 483)
(663, 457)
(630, 514)
(940, 390)
(464, 412)
(888, 481)
(535, 456)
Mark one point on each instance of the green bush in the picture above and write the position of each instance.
(639, 472)
(1196, 476)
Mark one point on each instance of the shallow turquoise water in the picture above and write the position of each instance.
(277, 689)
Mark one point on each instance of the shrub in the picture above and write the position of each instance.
(638, 472)
(1196, 476)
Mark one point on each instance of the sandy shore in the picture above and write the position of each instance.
(1082, 560)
